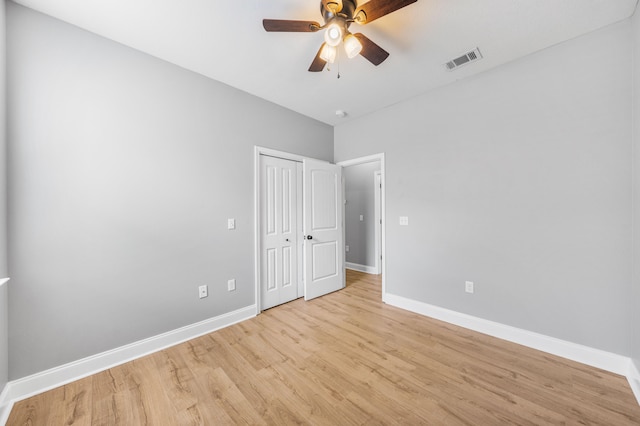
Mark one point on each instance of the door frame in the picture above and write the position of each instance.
(258, 151)
(377, 205)
(370, 159)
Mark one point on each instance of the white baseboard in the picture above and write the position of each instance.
(634, 379)
(40, 382)
(5, 407)
(362, 268)
(5, 410)
(584, 354)
(26, 387)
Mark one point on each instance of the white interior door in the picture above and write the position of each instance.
(279, 228)
(323, 229)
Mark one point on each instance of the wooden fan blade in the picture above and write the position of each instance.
(283, 25)
(375, 9)
(371, 51)
(334, 6)
(318, 63)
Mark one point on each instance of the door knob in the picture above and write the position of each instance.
(287, 240)
(309, 237)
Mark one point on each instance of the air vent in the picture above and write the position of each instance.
(469, 57)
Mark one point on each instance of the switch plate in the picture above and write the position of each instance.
(203, 291)
(346, 248)
(361, 217)
(468, 286)
(231, 285)
(231, 224)
(404, 220)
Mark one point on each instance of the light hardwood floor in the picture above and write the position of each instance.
(343, 359)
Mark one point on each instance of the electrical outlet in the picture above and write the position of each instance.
(346, 248)
(404, 221)
(361, 217)
(231, 285)
(203, 291)
(231, 224)
(468, 286)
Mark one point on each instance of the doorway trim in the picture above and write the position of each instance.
(370, 159)
(377, 205)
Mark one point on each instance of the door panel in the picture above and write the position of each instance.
(286, 266)
(271, 268)
(323, 254)
(323, 203)
(278, 207)
(324, 260)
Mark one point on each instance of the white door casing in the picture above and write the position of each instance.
(377, 182)
(323, 228)
(279, 231)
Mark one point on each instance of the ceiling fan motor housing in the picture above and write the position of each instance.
(348, 9)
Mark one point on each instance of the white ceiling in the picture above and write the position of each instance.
(225, 41)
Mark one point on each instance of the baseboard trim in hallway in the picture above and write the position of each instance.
(361, 268)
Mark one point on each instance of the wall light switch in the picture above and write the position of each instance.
(361, 217)
(346, 248)
(231, 224)
(231, 285)
(404, 220)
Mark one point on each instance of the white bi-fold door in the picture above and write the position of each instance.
(301, 237)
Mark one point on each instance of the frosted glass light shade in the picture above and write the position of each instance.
(352, 46)
(333, 35)
(328, 53)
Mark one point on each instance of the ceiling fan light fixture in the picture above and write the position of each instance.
(328, 53)
(333, 35)
(338, 15)
(352, 46)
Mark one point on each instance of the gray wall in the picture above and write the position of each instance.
(123, 172)
(4, 316)
(518, 179)
(360, 235)
(636, 190)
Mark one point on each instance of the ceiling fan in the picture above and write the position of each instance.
(338, 15)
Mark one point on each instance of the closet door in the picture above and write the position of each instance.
(279, 227)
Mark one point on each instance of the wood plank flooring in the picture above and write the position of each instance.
(343, 359)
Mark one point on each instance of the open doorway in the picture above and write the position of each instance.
(364, 215)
